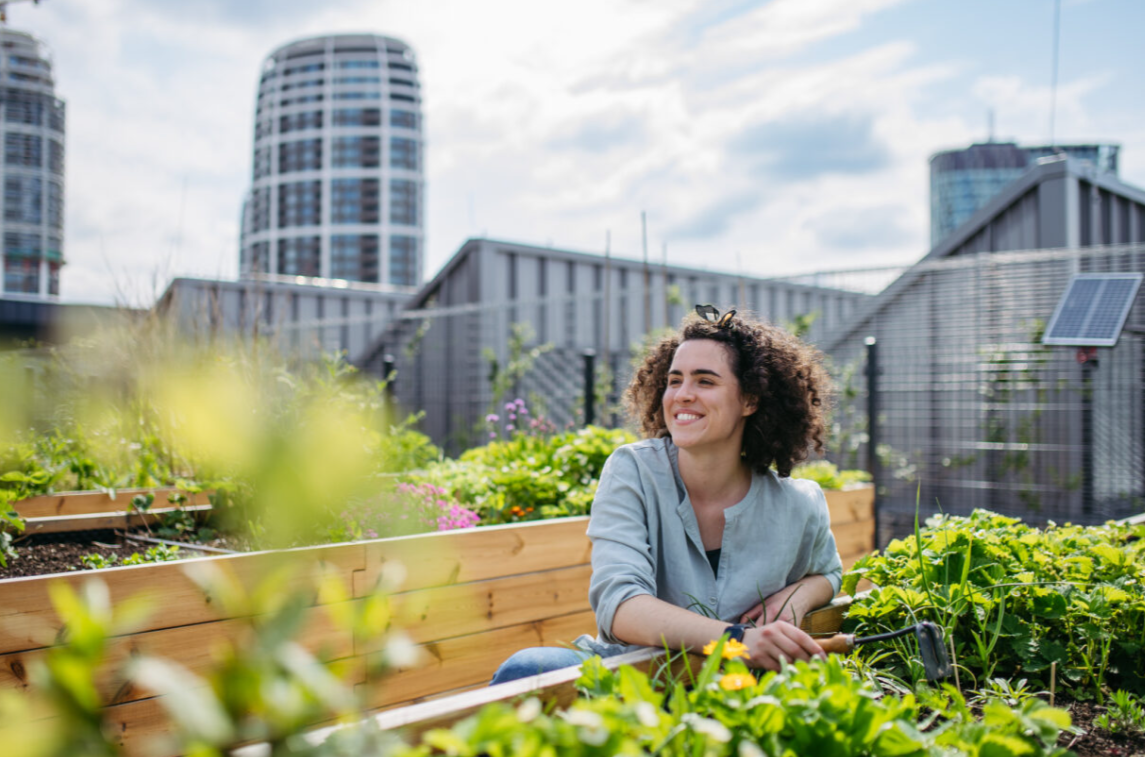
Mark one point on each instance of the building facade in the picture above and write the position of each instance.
(963, 181)
(303, 319)
(496, 305)
(973, 410)
(337, 173)
(32, 206)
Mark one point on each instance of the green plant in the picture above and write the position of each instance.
(828, 476)
(1124, 714)
(1015, 599)
(1009, 693)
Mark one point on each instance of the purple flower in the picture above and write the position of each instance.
(492, 434)
(510, 427)
(492, 418)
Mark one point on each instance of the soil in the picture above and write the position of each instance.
(61, 553)
(1097, 741)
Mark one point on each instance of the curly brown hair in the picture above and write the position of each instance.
(784, 375)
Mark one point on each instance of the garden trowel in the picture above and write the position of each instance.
(935, 661)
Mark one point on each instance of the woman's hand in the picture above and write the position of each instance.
(792, 602)
(767, 644)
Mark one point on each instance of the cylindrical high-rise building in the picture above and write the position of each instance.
(32, 132)
(337, 187)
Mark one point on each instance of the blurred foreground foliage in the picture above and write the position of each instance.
(258, 685)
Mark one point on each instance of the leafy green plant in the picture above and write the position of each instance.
(828, 476)
(1124, 714)
(1015, 599)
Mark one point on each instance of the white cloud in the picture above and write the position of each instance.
(544, 123)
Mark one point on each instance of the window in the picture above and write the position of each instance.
(400, 66)
(358, 80)
(262, 163)
(355, 201)
(304, 84)
(357, 95)
(356, 152)
(23, 150)
(403, 153)
(402, 82)
(256, 258)
(301, 155)
(403, 202)
(305, 68)
(403, 260)
(55, 205)
(354, 257)
(358, 117)
(402, 98)
(23, 199)
(358, 64)
(299, 256)
(299, 204)
(22, 245)
(260, 209)
(310, 119)
(316, 98)
(403, 119)
(53, 278)
(22, 276)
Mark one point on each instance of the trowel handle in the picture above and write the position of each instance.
(842, 643)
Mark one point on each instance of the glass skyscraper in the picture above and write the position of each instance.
(32, 132)
(962, 181)
(337, 175)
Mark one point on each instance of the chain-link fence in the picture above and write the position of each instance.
(973, 411)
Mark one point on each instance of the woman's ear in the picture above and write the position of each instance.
(750, 404)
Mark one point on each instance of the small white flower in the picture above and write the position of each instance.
(749, 749)
(647, 715)
(529, 710)
(393, 576)
(713, 729)
(584, 718)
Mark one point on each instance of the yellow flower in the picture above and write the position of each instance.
(737, 681)
(732, 649)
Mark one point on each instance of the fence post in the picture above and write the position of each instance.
(589, 387)
(873, 424)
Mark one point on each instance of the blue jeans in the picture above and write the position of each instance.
(534, 660)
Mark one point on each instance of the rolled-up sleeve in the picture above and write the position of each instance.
(623, 562)
(824, 553)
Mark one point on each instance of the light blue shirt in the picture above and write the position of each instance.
(645, 540)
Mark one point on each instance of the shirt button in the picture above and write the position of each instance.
(713, 600)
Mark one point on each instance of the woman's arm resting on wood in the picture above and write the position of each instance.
(652, 622)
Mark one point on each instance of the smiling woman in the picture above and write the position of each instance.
(699, 531)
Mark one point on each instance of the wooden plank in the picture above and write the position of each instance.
(557, 687)
(477, 554)
(471, 660)
(854, 539)
(28, 620)
(447, 611)
(84, 503)
(829, 619)
(849, 505)
(192, 647)
(55, 524)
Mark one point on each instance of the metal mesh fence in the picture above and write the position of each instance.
(973, 411)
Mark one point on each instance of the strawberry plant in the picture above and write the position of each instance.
(1016, 600)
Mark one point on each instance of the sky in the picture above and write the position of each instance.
(770, 138)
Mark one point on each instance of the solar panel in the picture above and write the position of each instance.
(1093, 310)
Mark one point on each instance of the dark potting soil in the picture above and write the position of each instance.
(61, 553)
(1096, 741)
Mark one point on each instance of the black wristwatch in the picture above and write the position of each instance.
(736, 631)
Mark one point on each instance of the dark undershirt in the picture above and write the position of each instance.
(714, 560)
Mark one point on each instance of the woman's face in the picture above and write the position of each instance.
(703, 406)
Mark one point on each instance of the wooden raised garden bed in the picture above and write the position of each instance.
(89, 511)
(470, 598)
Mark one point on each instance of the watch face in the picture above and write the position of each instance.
(736, 631)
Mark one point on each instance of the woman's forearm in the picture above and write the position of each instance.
(650, 622)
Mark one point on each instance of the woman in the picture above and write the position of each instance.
(699, 530)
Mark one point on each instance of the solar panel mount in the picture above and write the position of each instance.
(1093, 310)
